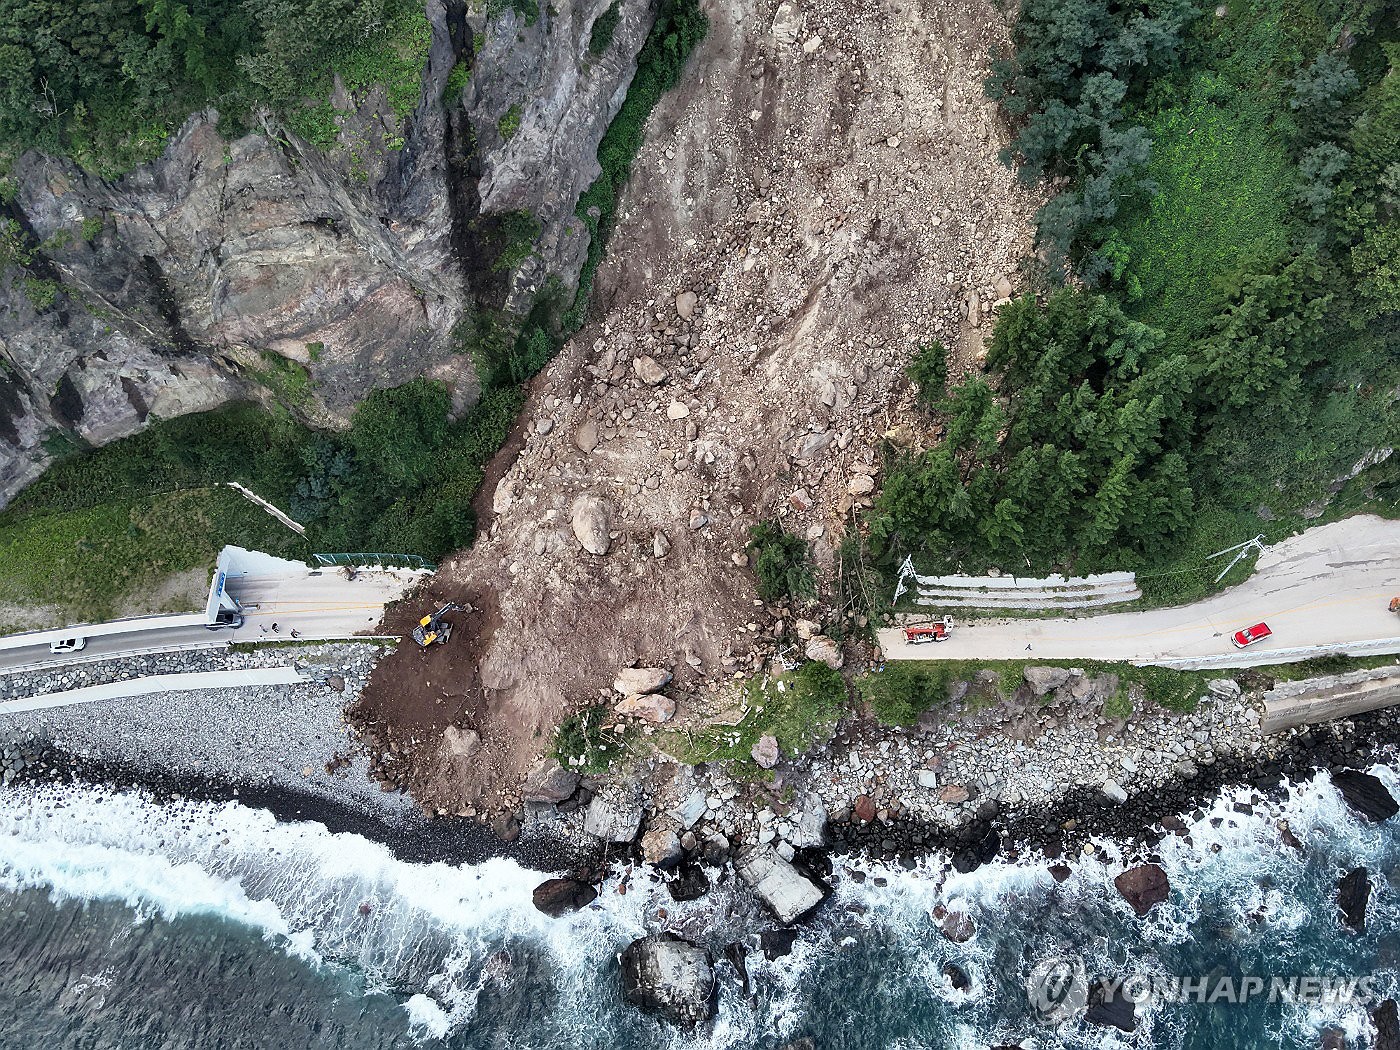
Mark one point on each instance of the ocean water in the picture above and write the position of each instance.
(129, 924)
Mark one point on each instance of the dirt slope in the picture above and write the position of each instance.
(822, 195)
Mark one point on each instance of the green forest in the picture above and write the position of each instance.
(108, 81)
(1213, 342)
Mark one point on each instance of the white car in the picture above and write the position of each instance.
(67, 645)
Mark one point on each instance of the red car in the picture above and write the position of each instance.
(1250, 635)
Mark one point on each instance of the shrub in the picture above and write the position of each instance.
(509, 123)
(780, 561)
(929, 373)
(600, 37)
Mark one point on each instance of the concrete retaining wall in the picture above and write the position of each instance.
(1291, 704)
(158, 683)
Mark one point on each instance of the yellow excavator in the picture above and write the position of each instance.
(434, 629)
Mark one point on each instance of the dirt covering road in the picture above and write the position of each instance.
(820, 196)
(1327, 588)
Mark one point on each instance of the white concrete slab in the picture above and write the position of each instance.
(158, 683)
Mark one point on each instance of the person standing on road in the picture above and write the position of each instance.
(274, 627)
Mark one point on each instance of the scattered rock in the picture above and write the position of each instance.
(506, 826)
(806, 629)
(1365, 794)
(1353, 895)
(1143, 887)
(549, 782)
(669, 976)
(654, 707)
(648, 371)
(766, 752)
(591, 518)
(633, 680)
(660, 545)
(860, 485)
(685, 305)
(586, 437)
(460, 743)
(677, 410)
(556, 897)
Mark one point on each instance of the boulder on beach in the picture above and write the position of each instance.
(1386, 1019)
(1353, 895)
(556, 897)
(982, 850)
(809, 822)
(613, 817)
(1143, 886)
(669, 976)
(788, 893)
(631, 681)
(690, 884)
(1108, 1006)
(549, 782)
(661, 847)
(1059, 872)
(956, 926)
(1365, 794)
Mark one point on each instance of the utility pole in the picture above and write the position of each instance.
(906, 570)
(1243, 548)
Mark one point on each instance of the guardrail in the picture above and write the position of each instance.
(1258, 657)
(1018, 592)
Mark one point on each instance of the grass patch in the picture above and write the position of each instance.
(586, 742)
(287, 379)
(509, 123)
(1224, 188)
(90, 561)
(798, 708)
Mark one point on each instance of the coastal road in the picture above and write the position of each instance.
(1326, 590)
(315, 606)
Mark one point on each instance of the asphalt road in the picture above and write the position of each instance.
(1327, 589)
(325, 606)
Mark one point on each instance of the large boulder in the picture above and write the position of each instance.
(1365, 794)
(556, 897)
(669, 976)
(1353, 894)
(638, 680)
(690, 884)
(662, 847)
(956, 926)
(1044, 680)
(591, 518)
(1108, 1006)
(1387, 1022)
(788, 893)
(809, 822)
(613, 817)
(652, 706)
(825, 650)
(1143, 886)
(549, 782)
(648, 371)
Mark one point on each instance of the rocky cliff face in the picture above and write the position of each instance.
(184, 284)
